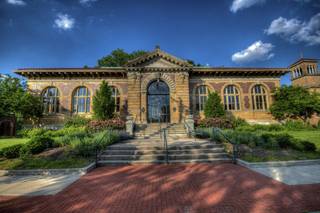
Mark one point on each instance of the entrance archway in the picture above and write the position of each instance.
(158, 102)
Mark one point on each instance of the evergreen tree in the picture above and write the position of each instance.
(103, 102)
(213, 106)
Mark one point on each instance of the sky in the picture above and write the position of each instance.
(240, 33)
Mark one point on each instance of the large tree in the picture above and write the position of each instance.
(213, 106)
(294, 102)
(119, 57)
(16, 100)
(103, 102)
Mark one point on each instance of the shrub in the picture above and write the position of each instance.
(12, 151)
(269, 141)
(237, 122)
(83, 146)
(99, 125)
(285, 141)
(76, 121)
(308, 146)
(203, 132)
(216, 122)
(34, 132)
(86, 147)
(39, 144)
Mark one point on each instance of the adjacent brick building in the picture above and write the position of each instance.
(160, 87)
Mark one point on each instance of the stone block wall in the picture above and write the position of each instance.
(244, 86)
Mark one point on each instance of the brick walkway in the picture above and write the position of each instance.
(173, 188)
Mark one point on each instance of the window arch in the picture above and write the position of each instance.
(116, 96)
(81, 100)
(50, 99)
(201, 97)
(231, 98)
(259, 97)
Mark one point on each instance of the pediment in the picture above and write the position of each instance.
(158, 58)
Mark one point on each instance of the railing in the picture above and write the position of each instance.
(233, 144)
(164, 138)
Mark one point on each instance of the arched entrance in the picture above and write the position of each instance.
(158, 102)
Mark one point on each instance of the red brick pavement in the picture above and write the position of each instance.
(172, 188)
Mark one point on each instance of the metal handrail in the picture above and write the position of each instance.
(165, 143)
(234, 145)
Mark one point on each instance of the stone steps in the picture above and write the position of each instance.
(147, 151)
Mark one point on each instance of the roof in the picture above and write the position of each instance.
(142, 64)
(299, 61)
(157, 53)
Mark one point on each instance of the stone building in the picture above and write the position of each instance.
(305, 73)
(160, 87)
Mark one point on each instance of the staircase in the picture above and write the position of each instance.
(152, 131)
(147, 147)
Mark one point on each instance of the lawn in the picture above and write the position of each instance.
(5, 142)
(310, 135)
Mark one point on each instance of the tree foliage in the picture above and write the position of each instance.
(213, 106)
(294, 102)
(119, 57)
(16, 100)
(103, 102)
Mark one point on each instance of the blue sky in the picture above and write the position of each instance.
(74, 33)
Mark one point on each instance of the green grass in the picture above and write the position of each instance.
(44, 163)
(309, 135)
(5, 142)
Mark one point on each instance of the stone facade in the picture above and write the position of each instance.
(305, 73)
(182, 80)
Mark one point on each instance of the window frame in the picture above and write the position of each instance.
(229, 95)
(76, 97)
(262, 96)
(56, 101)
(200, 98)
(115, 94)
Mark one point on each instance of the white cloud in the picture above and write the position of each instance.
(258, 51)
(295, 30)
(64, 22)
(242, 4)
(86, 2)
(16, 2)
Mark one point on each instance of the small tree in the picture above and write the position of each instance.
(103, 102)
(294, 102)
(213, 106)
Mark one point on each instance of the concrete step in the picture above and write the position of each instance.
(157, 151)
(151, 157)
(121, 162)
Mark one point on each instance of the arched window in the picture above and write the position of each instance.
(259, 97)
(50, 98)
(301, 71)
(201, 97)
(231, 98)
(116, 96)
(81, 100)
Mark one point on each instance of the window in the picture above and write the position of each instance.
(231, 98)
(81, 100)
(259, 98)
(201, 97)
(116, 96)
(50, 98)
